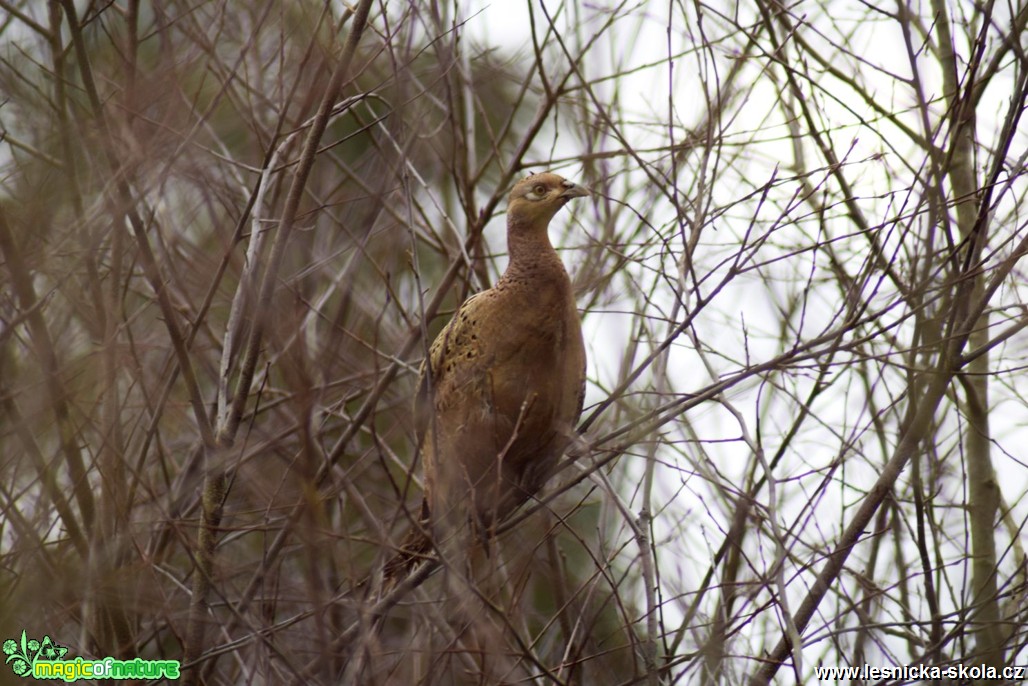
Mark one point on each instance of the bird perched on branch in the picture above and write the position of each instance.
(500, 395)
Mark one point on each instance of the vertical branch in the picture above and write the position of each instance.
(215, 482)
(982, 489)
(226, 431)
(57, 398)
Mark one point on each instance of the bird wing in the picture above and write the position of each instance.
(455, 335)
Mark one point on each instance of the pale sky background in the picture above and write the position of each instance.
(690, 534)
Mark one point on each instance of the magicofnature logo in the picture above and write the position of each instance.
(46, 660)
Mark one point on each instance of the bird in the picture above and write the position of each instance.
(503, 385)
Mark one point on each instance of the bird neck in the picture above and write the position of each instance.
(531, 252)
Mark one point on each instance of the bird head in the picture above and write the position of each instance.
(535, 199)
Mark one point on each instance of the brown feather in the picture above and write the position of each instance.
(507, 378)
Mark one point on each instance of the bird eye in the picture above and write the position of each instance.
(539, 189)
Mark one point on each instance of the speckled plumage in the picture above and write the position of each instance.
(508, 375)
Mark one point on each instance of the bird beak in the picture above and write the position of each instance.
(573, 191)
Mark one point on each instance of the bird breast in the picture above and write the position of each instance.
(508, 394)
